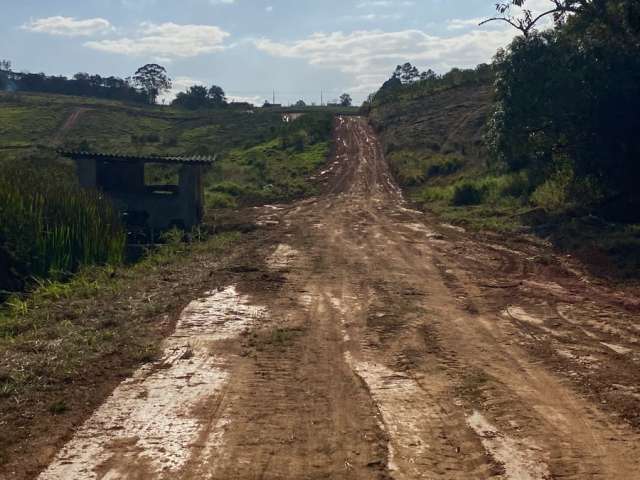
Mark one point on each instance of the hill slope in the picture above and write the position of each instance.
(435, 147)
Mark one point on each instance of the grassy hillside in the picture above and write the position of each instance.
(260, 159)
(436, 148)
(426, 137)
(40, 119)
(256, 163)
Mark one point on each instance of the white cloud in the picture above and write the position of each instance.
(179, 84)
(373, 17)
(166, 41)
(369, 56)
(182, 83)
(254, 99)
(460, 24)
(385, 3)
(68, 26)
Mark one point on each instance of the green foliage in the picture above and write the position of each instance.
(275, 170)
(153, 80)
(466, 194)
(50, 226)
(215, 200)
(572, 96)
(552, 195)
(407, 82)
(413, 168)
(444, 165)
(198, 96)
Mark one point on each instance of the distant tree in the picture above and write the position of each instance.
(346, 100)
(198, 96)
(5, 64)
(428, 76)
(195, 97)
(216, 96)
(300, 104)
(153, 80)
(391, 84)
(407, 73)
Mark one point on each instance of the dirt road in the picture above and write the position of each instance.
(69, 123)
(384, 346)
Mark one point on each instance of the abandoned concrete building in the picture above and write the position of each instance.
(124, 179)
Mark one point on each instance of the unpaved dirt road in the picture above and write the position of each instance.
(388, 346)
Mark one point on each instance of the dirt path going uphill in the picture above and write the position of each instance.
(70, 122)
(380, 345)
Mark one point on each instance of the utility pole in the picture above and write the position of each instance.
(321, 98)
(274, 96)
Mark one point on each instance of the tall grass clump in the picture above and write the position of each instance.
(50, 226)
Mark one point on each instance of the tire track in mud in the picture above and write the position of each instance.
(379, 346)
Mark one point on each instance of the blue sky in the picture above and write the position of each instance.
(250, 47)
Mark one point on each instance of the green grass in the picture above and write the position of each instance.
(274, 170)
(49, 226)
(260, 159)
(36, 119)
(264, 173)
(84, 334)
(435, 147)
(28, 316)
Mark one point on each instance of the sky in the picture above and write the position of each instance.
(252, 47)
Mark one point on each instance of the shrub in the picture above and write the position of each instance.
(220, 200)
(517, 185)
(466, 194)
(552, 195)
(50, 226)
(445, 166)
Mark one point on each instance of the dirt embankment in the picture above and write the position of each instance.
(373, 342)
(452, 121)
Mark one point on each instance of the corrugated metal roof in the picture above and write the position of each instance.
(123, 157)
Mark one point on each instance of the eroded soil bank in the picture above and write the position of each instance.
(373, 342)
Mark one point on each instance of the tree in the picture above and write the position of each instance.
(391, 84)
(300, 104)
(428, 76)
(567, 100)
(195, 97)
(198, 96)
(5, 65)
(216, 96)
(526, 20)
(346, 100)
(153, 80)
(407, 73)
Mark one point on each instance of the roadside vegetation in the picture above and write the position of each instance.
(275, 170)
(49, 227)
(64, 346)
(544, 140)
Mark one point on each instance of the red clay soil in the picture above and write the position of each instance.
(372, 342)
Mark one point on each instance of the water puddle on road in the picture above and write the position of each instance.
(519, 458)
(149, 424)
